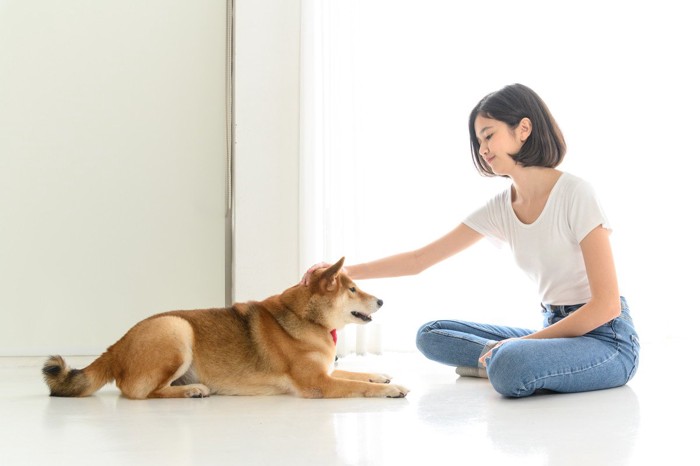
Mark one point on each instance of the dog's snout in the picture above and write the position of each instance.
(379, 303)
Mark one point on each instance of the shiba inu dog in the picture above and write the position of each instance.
(284, 344)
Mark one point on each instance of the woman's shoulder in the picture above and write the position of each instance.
(576, 192)
(573, 184)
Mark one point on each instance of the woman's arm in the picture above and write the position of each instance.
(605, 296)
(414, 262)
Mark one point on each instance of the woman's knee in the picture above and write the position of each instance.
(508, 373)
(423, 334)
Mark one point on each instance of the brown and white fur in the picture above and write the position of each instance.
(284, 344)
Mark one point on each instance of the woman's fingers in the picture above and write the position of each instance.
(306, 279)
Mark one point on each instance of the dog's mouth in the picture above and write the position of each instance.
(361, 316)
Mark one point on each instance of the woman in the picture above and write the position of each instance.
(558, 233)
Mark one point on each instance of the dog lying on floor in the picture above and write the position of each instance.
(284, 344)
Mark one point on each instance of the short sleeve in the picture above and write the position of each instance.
(488, 220)
(586, 212)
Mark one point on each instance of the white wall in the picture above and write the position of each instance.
(112, 167)
(112, 163)
(267, 147)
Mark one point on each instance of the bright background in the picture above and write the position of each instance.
(351, 140)
(390, 85)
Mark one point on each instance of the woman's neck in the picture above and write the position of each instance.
(531, 184)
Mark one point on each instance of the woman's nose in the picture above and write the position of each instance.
(483, 149)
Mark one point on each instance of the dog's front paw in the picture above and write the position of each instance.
(379, 378)
(396, 391)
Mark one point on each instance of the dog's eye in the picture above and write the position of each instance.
(352, 289)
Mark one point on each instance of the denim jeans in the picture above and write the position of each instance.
(606, 357)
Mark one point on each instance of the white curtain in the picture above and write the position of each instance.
(387, 87)
(328, 169)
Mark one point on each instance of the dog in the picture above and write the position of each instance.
(284, 344)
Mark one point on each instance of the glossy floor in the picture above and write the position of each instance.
(444, 419)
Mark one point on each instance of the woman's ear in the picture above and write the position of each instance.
(524, 129)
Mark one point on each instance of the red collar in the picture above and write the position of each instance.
(335, 337)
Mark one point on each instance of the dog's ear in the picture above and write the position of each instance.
(330, 276)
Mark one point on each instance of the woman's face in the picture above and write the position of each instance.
(498, 142)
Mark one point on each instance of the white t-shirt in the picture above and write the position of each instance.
(548, 250)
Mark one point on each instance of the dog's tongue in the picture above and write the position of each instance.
(335, 337)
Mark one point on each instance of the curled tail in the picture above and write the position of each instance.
(64, 381)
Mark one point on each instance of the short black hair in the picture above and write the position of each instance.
(544, 148)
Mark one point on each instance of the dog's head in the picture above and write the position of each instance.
(336, 300)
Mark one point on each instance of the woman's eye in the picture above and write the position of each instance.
(489, 136)
(352, 289)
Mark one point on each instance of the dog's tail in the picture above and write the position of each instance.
(64, 381)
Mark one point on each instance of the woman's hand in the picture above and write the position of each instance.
(306, 279)
(487, 355)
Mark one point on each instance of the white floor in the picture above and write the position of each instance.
(444, 418)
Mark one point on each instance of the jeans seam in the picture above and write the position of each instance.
(451, 333)
(448, 333)
(635, 355)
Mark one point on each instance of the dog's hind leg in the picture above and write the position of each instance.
(167, 390)
(157, 352)
(196, 390)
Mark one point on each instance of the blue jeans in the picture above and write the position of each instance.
(606, 357)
